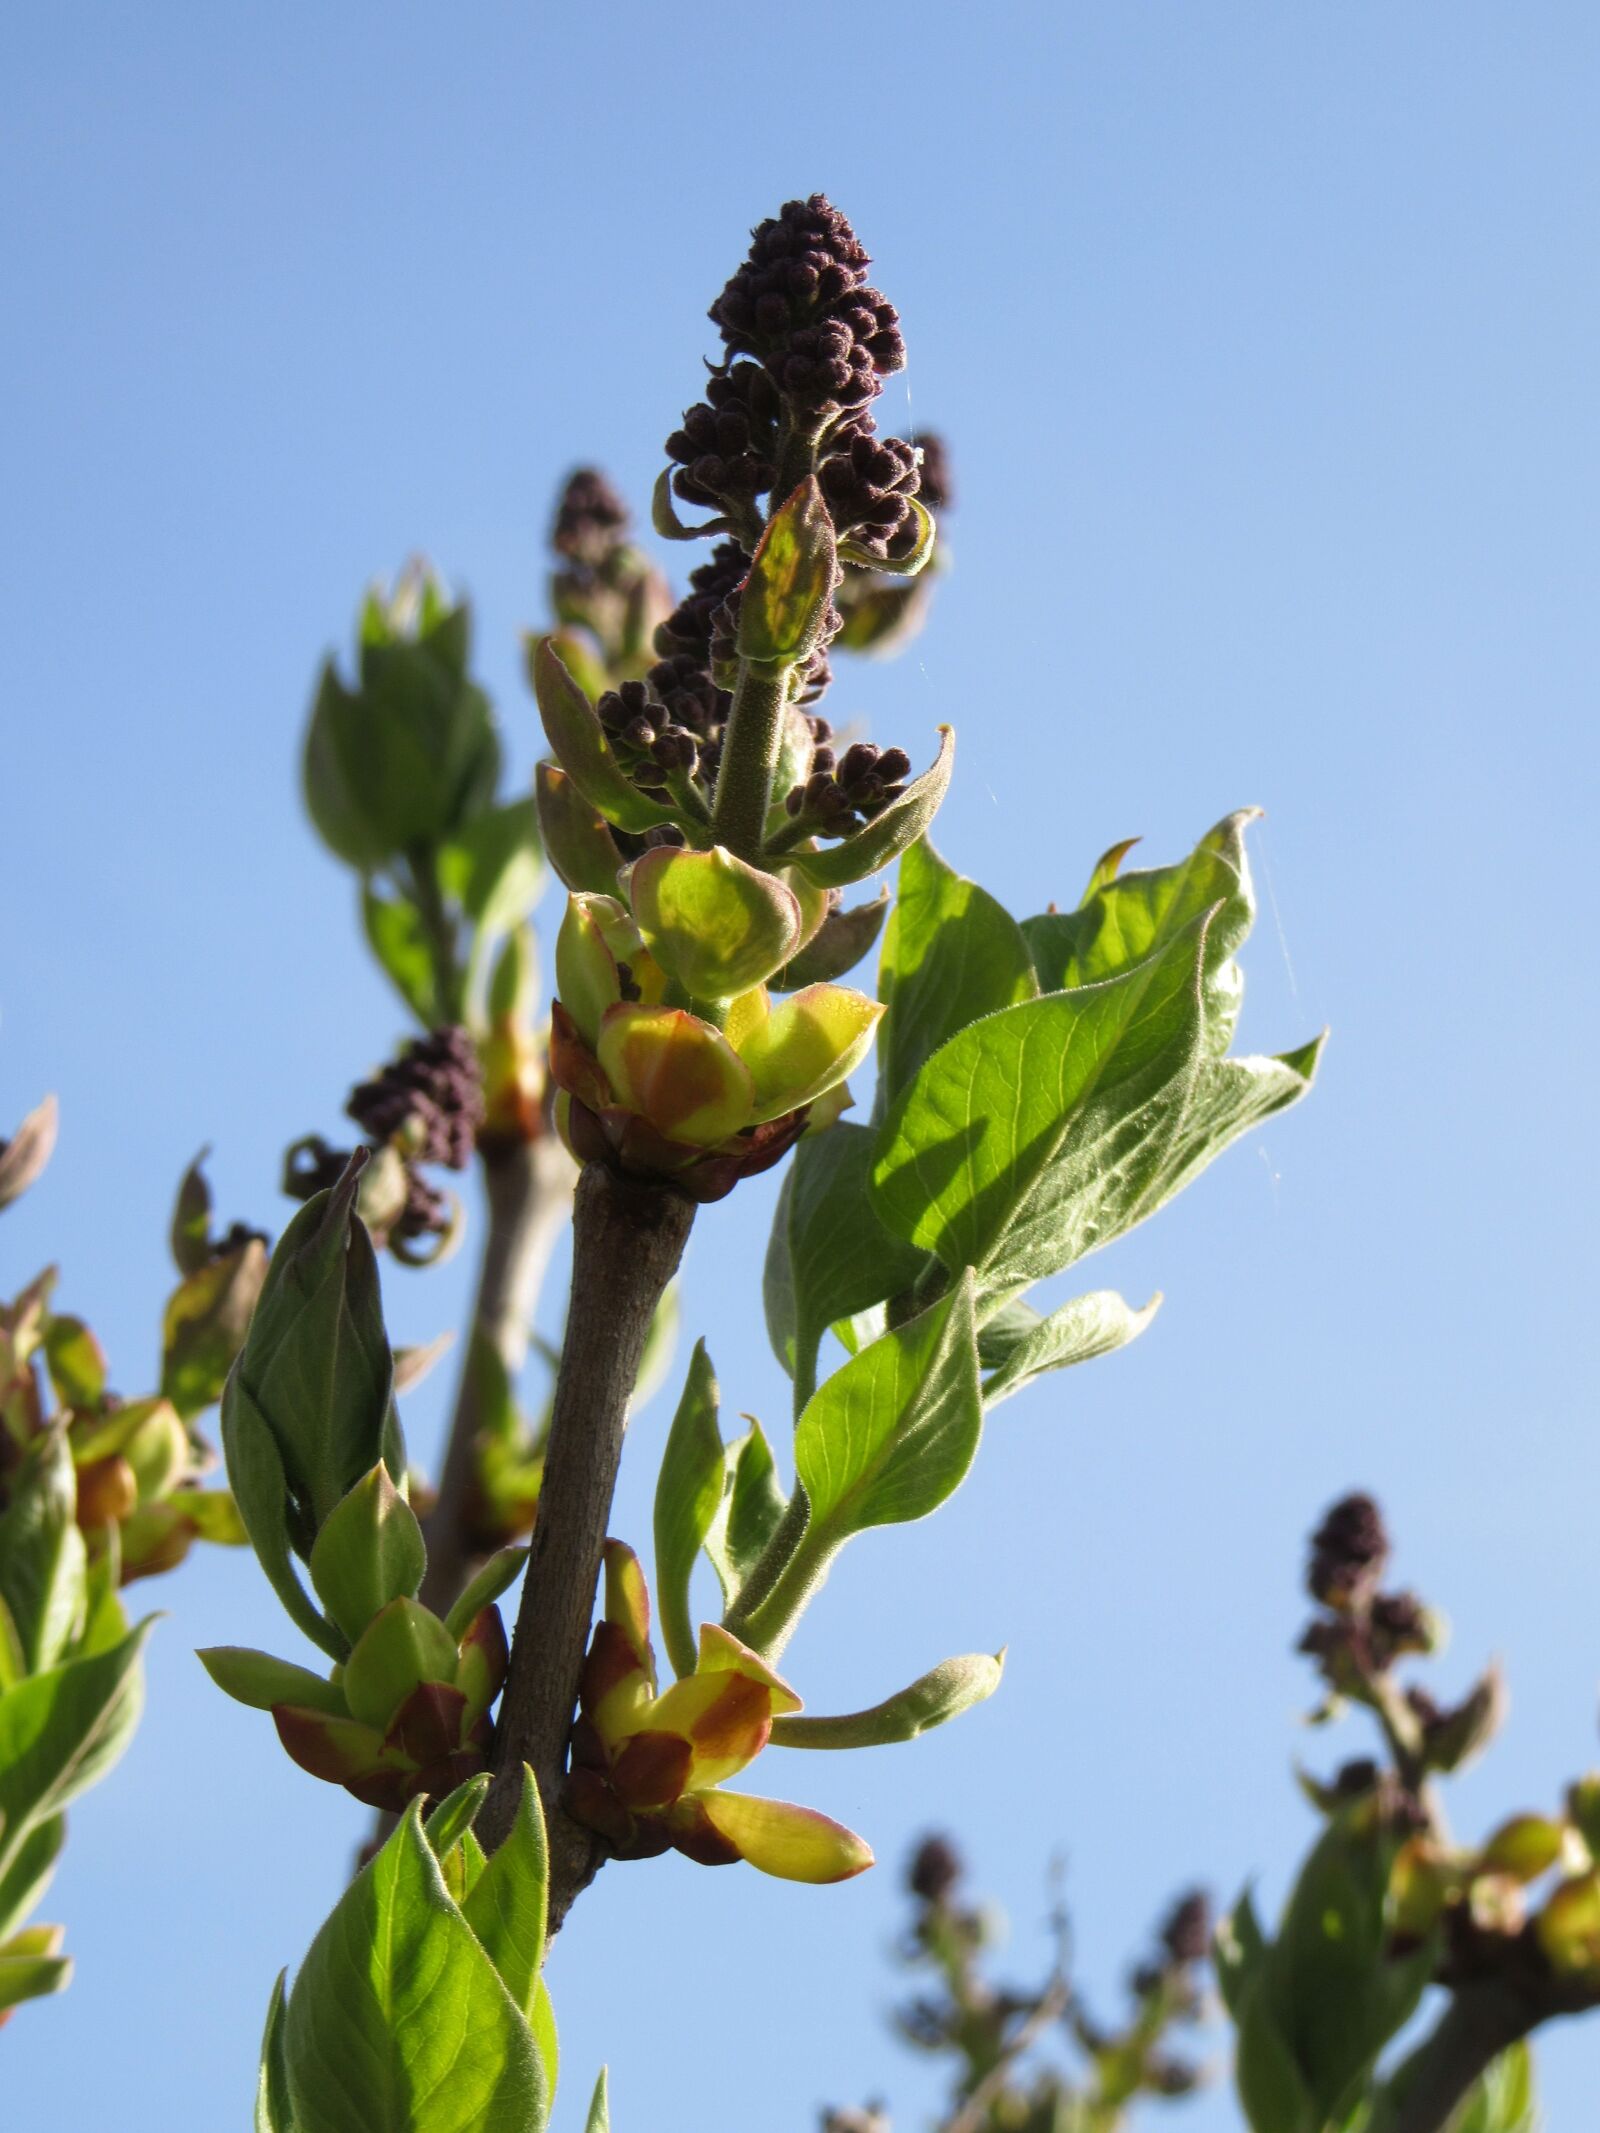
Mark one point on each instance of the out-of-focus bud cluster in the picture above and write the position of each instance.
(1387, 1902)
(603, 585)
(996, 2035)
(318, 1470)
(1361, 1633)
(649, 1765)
(401, 768)
(133, 1468)
(672, 1058)
(426, 1107)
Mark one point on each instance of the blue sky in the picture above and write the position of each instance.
(1265, 339)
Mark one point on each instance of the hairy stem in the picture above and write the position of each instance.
(750, 750)
(627, 1240)
(528, 1188)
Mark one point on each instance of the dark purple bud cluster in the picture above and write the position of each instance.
(591, 519)
(727, 449)
(867, 484)
(809, 344)
(936, 1866)
(800, 304)
(841, 794)
(1348, 1553)
(1362, 1632)
(651, 745)
(1186, 1931)
(237, 1237)
(430, 1099)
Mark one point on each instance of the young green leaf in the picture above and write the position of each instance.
(42, 1554)
(274, 2113)
(599, 2119)
(60, 1732)
(368, 1552)
(398, 2021)
(28, 1876)
(751, 1510)
(688, 1497)
(449, 1822)
(259, 1680)
(1007, 1149)
(1087, 1327)
(498, 1573)
(950, 1688)
(951, 955)
(1127, 917)
(829, 1256)
(892, 1434)
(506, 1908)
(30, 1968)
(398, 936)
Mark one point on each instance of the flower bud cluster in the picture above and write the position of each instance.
(424, 1107)
(808, 345)
(984, 2026)
(1361, 1631)
(603, 584)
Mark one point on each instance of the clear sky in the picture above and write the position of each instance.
(1265, 339)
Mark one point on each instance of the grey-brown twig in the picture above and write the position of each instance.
(528, 1189)
(627, 1240)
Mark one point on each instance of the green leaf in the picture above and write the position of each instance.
(259, 1681)
(576, 835)
(829, 1256)
(398, 2021)
(599, 2119)
(494, 868)
(1040, 1133)
(542, 2021)
(1240, 1951)
(1079, 1331)
(262, 1495)
(1337, 1995)
(30, 1974)
(888, 834)
(892, 1434)
(688, 1498)
(951, 955)
(954, 1686)
(1504, 2101)
(449, 1822)
(42, 1555)
(716, 924)
(76, 1364)
(752, 1507)
(838, 944)
(498, 1573)
(581, 748)
(28, 1876)
(398, 936)
(60, 1732)
(1127, 918)
(506, 1909)
(273, 2111)
(784, 606)
(369, 1552)
(1270, 2087)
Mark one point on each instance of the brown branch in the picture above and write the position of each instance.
(627, 1240)
(528, 1187)
(1482, 2020)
